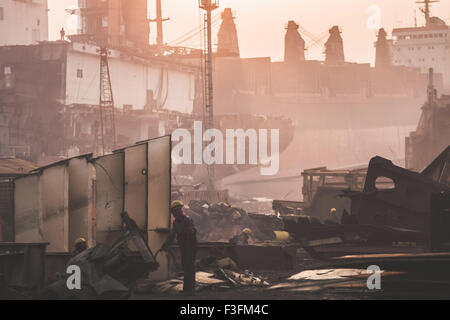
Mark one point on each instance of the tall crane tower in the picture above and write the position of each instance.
(208, 6)
(107, 120)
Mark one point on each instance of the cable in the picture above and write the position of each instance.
(189, 36)
(109, 176)
(317, 41)
(167, 89)
(193, 32)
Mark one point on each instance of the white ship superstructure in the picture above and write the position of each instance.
(424, 47)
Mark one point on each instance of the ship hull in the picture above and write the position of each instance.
(337, 132)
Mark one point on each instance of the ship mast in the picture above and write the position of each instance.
(159, 25)
(426, 9)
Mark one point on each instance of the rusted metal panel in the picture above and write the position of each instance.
(159, 192)
(81, 175)
(109, 196)
(136, 169)
(54, 194)
(28, 224)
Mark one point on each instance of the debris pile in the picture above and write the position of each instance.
(392, 215)
(220, 222)
(107, 272)
(217, 274)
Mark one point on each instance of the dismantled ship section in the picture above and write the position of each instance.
(433, 131)
(50, 97)
(343, 106)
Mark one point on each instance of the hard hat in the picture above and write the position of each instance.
(247, 231)
(333, 210)
(235, 216)
(176, 203)
(80, 240)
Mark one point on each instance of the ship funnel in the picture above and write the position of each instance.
(334, 47)
(228, 45)
(294, 45)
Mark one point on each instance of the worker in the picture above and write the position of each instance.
(62, 33)
(332, 217)
(242, 239)
(80, 246)
(186, 235)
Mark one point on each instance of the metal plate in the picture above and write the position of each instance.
(54, 191)
(27, 224)
(109, 196)
(159, 178)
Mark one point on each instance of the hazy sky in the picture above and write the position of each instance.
(260, 23)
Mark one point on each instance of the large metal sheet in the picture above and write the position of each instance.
(81, 174)
(54, 191)
(109, 198)
(136, 184)
(28, 223)
(159, 177)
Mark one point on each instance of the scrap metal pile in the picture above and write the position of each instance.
(220, 222)
(398, 216)
(105, 201)
(108, 271)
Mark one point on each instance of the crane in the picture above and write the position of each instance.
(106, 105)
(208, 6)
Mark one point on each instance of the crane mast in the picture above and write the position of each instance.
(106, 105)
(208, 6)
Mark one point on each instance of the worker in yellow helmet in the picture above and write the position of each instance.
(186, 234)
(242, 239)
(80, 245)
(333, 216)
(248, 232)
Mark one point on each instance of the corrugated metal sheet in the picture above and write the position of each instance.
(136, 169)
(83, 197)
(81, 177)
(54, 193)
(158, 214)
(109, 197)
(27, 218)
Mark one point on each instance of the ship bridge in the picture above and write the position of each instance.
(424, 47)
